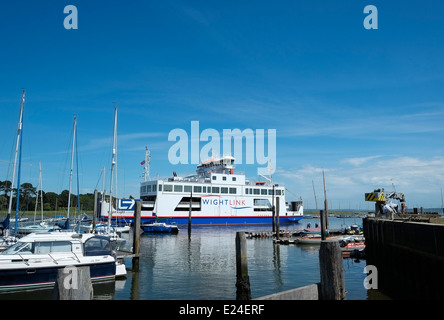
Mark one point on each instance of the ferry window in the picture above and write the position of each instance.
(142, 189)
(223, 190)
(264, 191)
(198, 189)
(187, 189)
(160, 187)
(278, 192)
(214, 177)
(270, 192)
(246, 190)
(256, 191)
(154, 187)
(148, 189)
(262, 202)
(168, 188)
(233, 178)
(215, 189)
(209, 190)
(204, 189)
(178, 188)
(224, 178)
(232, 190)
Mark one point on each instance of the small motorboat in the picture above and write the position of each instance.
(353, 246)
(34, 260)
(160, 227)
(315, 239)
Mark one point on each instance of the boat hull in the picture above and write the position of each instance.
(222, 220)
(40, 278)
(160, 229)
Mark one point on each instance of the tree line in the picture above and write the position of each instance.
(51, 200)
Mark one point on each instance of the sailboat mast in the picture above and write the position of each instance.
(325, 201)
(20, 124)
(20, 131)
(113, 163)
(72, 163)
(41, 189)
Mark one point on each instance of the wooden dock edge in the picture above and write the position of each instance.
(310, 292)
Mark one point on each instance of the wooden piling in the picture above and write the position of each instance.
(136, 235)
(277, 218)
(332, 286)
(189, 213)
(323, 224)
(243, 291)
(73, 283)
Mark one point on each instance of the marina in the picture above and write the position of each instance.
(202, 266)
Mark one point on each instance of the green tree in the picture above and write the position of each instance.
(50, 200)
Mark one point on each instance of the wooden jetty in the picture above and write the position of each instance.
(331, 287)
(408, 256)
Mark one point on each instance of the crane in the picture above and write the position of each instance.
(380, 197)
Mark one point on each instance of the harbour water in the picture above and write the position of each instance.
(202, 266)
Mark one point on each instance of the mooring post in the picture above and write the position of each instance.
(136, 235)
(277, 219)
(189, 212)
(73, 283)
(332, 285)
(322, 218)
(243, 291)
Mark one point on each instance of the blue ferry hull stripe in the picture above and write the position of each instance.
(219, 220)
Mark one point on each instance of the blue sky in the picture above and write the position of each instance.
(364, 106)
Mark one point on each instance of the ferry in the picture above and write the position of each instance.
(216, 196)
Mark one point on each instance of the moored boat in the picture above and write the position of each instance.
(315, 239)
(160, 227)
(215, 195)
(33, 262)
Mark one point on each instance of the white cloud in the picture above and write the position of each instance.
(419, 179)
(359, 161)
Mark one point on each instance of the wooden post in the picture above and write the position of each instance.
(277, 218)
(136, 235)
(95, 209)
(322, 218)
(273, 211)
(189, 213)
(332, 285)
(73, 283)
(243, 291)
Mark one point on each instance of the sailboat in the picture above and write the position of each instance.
(107, 229)
(8, 237)
(44, 226)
